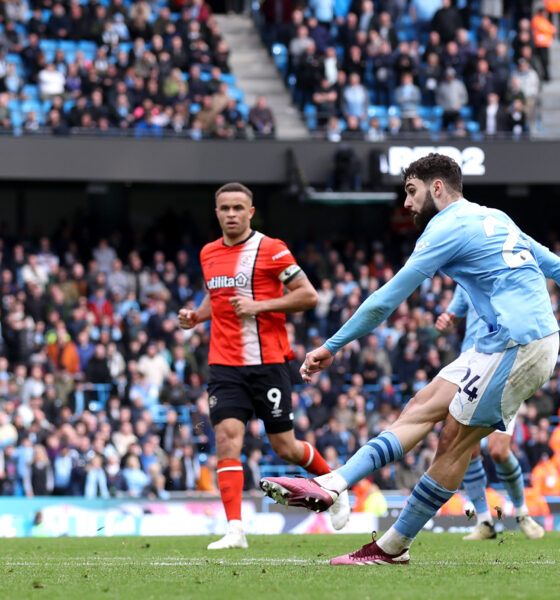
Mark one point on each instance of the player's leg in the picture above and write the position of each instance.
(475, 482)
(307, 456)
(230, 409)
(434, 489)
(272, 399)
(510, 475)
(423, 411)
(490, 394)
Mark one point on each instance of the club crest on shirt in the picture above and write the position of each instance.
(421, 246)
(212, 401)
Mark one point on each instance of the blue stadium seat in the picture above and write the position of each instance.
(29, 105)
(17, 118)
(195, 107)
(14, 104)
(205, 76)
(473, 126)
(159, 413)
(437, 112)
(310, 114)
(47, 45)
(466, 112)
(12, 57)
(236, 94)
(66, 45)
(46, 106)
(394, 111)
(31, 91)
(183, 414)
(46, 15)
(280, 56)
(228, 78)
(244, 110)
(68, 105)
(376, 111)
(88, 46)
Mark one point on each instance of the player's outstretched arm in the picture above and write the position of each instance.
(190, 318)
(375, 309)
(301, 296)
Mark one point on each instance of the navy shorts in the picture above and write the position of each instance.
(261, 390)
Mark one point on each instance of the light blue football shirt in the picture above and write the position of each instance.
(502, 270)
(462, 306)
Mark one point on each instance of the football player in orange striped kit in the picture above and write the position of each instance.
(245, 273)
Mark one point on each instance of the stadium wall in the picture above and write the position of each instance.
(34, 158)
(204, 515)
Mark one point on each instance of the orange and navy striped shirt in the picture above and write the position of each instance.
(257, 268)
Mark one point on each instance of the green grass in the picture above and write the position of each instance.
(285, 566)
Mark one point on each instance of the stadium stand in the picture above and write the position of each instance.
(433, 65)
(109, 68)
(93, 364)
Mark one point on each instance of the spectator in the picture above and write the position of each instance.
(355, 98)
(38, 479)
(529, 84)
(451, 95)
(493, 117)
(407, 98)
(96, 479)
(543, 35)
(447, 21)
(261, 119)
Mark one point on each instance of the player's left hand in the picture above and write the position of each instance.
(244, 307)
(315, 361)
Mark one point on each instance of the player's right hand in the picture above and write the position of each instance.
(187, 318)
(444, 321)
(315, 361)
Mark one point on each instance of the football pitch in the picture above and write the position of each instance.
(284, 566)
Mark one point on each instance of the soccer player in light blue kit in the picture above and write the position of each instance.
(507, 466)
(503, 271)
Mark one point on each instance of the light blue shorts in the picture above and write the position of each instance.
(492, 387)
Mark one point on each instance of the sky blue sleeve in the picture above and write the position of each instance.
(548, 262)
(459, 303)
(375, 309)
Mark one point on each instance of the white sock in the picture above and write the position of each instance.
(484, 516)
(393, 542)
(333, 482)
(521, 511)
(235, 526)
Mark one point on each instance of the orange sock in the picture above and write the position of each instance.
(230, 482)
(312, 461)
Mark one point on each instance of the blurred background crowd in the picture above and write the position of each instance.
(101, 393)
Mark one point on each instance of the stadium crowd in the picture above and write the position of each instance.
(361, 69)
(105, 67)
(101, 392)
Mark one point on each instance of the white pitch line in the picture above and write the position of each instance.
(124, 561)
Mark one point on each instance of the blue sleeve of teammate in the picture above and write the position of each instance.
(548, 262)
(375, 309)
(459, 303)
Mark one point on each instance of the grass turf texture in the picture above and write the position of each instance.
(285, 566)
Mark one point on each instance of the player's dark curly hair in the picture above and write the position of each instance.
(436, 166)
(235, 187)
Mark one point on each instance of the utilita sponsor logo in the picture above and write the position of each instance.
(223, 281)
